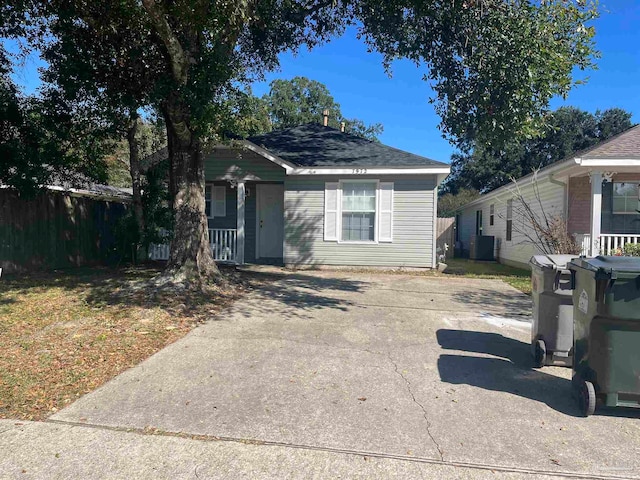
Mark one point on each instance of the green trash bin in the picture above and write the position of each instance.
(606, 330)
(552, 326)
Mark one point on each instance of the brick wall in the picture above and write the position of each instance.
(579, 208)
(579, 205)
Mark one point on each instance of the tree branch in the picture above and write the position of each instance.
(177, 56)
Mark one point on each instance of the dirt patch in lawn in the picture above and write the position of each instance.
(63, 334)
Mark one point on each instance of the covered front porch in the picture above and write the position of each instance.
(603, 209)
(246, 223)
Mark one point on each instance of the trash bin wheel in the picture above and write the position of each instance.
(587, 398)
(539, 354)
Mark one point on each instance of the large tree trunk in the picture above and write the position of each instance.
(190, 260)
(134, 170)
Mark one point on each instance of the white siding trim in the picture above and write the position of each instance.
(434, 256)
(608, 163)
(268, 155)
(370, 171)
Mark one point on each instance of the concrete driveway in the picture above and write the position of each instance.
(416, 370)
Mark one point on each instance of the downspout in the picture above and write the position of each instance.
(565, 199)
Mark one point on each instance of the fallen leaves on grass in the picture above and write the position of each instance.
(63, 334)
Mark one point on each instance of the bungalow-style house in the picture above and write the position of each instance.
(596, 191)
(313, 196)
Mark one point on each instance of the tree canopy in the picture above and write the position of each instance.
(46, 139)
(301, 100)
(494, 65)
(569, 130)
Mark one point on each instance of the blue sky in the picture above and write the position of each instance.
(358, 82)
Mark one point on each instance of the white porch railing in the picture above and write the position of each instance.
(609, 244)
(223, 242)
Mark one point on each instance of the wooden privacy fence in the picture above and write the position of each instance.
(56, 230)
(445, 230)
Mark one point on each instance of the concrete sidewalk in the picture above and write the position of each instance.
(65, 452)
(425, 375)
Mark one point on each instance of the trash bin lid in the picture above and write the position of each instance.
(555, 262)
(607, 265)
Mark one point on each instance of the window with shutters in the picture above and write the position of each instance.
(215, 201)
(492, 209)
(359, 211)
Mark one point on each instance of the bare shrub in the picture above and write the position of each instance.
(548, 232)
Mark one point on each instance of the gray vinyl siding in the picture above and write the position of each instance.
(413, 229)
(240, 164)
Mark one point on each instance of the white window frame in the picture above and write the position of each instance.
(377, 213)
(210, 187)
(509, 218)
(613, 196)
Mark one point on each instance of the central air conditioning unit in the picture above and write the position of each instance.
(481, 247)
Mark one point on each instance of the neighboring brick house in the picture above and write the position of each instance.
(597, 191)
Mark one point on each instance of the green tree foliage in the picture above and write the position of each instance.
(151, 137)
(448, 203)
(494, 64)
(45, 140)
(301, 100)
(569, 130)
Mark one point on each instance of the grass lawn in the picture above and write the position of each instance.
(65, 333)
(516, 277)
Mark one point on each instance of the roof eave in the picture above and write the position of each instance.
(549, 171)
(608, 162)
(410, 170)
(269, 156)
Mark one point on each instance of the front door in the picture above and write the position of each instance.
(270, 224)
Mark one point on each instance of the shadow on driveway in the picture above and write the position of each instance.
(509, 303)
(301, 293)
(511, 373)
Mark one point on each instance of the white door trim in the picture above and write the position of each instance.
(258, 185)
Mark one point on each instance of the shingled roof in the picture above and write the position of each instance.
(625, 145)
(314, 145)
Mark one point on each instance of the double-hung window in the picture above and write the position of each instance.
(509, 219)
(358, 211)
(625, 198)
(215, 201)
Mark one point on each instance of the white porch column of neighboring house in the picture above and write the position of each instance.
(596, 212)
(240, 223)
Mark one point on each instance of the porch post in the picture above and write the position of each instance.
(596, 212)
(240, 223)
